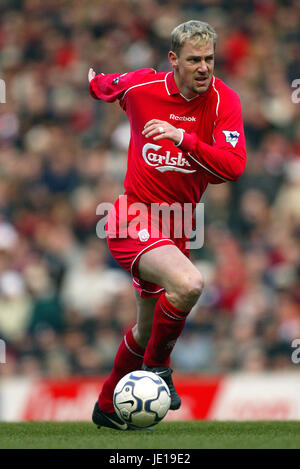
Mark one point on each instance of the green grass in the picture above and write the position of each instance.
(166, 435)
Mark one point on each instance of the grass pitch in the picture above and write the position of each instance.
(166, 435)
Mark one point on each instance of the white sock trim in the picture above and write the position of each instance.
(130, 349)
(170, 316)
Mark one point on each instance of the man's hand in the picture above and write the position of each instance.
(164, 130)
(91, 74)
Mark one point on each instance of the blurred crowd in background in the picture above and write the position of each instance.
(64, 302)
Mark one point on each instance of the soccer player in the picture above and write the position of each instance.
(186, 132)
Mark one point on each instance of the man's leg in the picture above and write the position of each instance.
(145, 311)
(183, 284)
(169, 267)
(129, 357)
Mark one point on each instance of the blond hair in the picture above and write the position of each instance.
(196, 31)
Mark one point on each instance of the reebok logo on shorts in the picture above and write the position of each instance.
(143, 235)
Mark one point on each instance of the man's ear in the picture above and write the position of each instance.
(173, 59)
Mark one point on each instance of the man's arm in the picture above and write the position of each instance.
(112, 86)
(226, 157)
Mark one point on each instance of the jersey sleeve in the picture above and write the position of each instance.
(226, 157)
(113, 86)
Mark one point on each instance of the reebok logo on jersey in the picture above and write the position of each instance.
(232, 136)
(183, 118)
(165, 162)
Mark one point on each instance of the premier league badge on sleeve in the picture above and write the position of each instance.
(232, 136)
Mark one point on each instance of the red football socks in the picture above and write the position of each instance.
(168, 324)
(129, 357)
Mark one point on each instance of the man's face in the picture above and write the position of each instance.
(193, 67)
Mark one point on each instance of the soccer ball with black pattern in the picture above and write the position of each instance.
(141, 399)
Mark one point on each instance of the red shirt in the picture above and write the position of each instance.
(213, 146)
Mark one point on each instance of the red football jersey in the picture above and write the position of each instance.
(213, 146)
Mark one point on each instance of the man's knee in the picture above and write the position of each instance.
(187, 292)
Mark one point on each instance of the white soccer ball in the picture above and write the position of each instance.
(141, 399)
